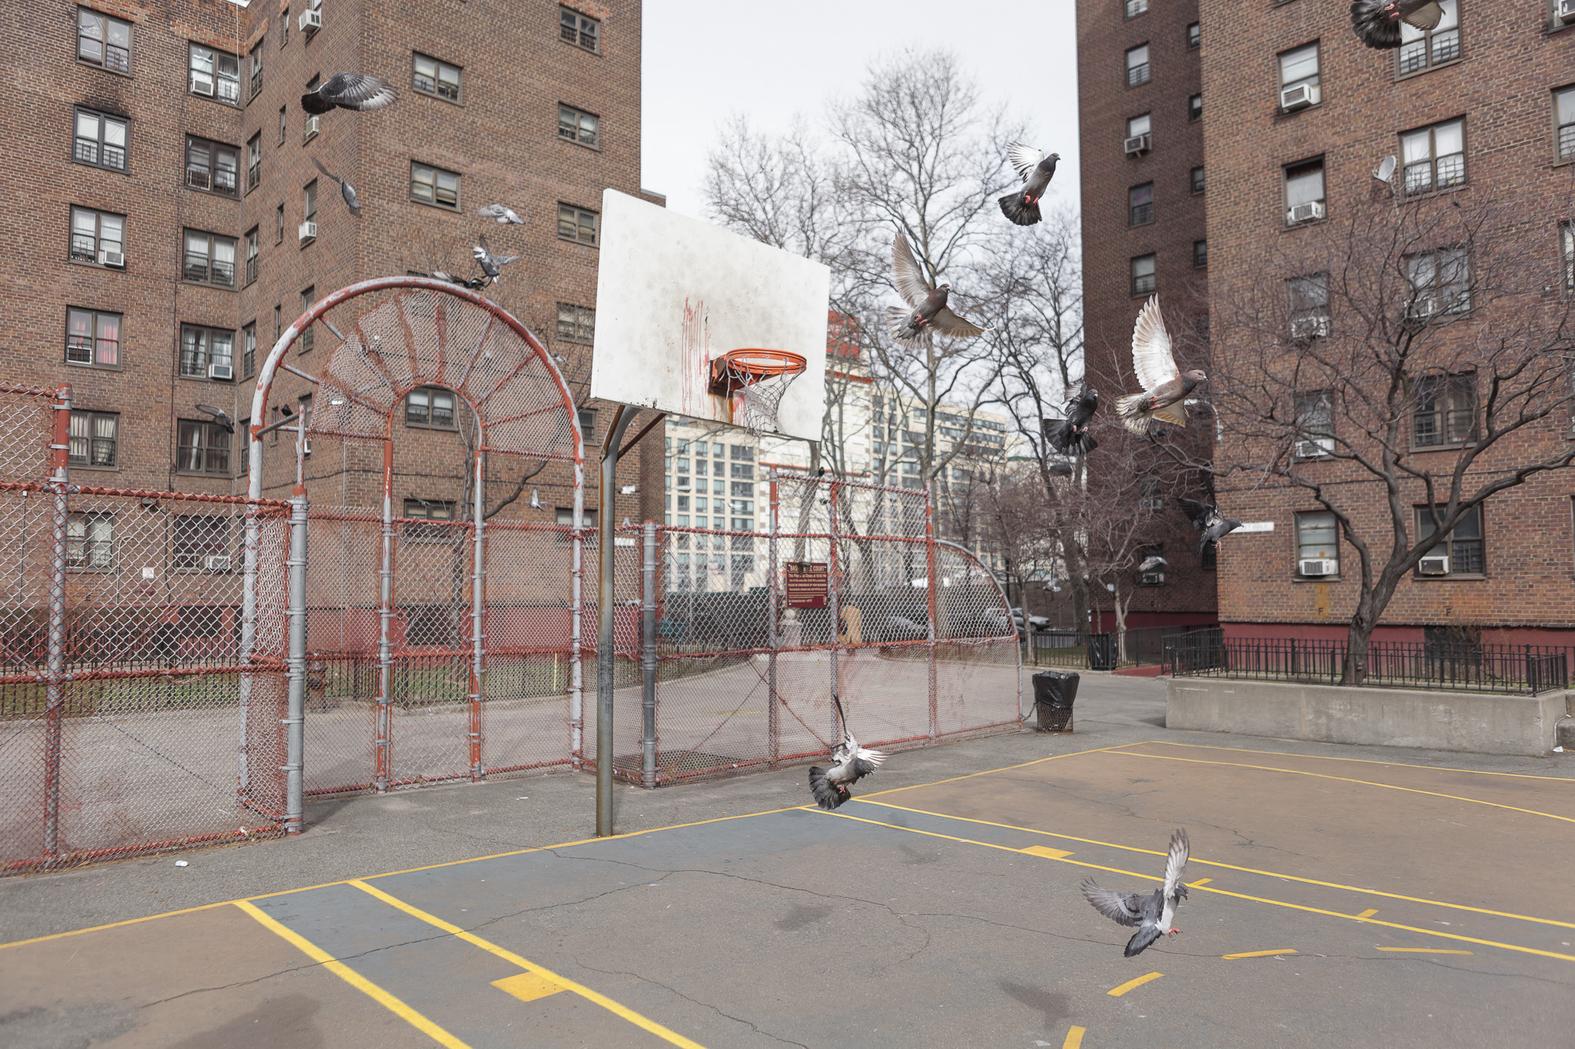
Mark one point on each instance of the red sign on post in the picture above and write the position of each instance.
(806, 584)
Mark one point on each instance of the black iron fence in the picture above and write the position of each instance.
(1083, 650)
(1519, 670)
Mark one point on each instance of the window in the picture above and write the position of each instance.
(1194, 35)
(308, 296)
(1140, 205)
(576, 125)
(1567, 233)
(1136, 7)
(251, 255)
(1197, 180)
(1463, 545)
(743, 452)
(1150, 499)
(1137, 65)
(215, 74)
(92, 338)
(284, 26)
(90, 540)
(1200, 254)
(210, 259)
(253, 161)
(1423, 49)
(565, 517)
(97, 237)
(278, 224)
(278, 321)
(1138, 125)
(430, 185)
(312, 124)
(103, 41)
(1153, 576)
(1314, 424)
(198, 537)
(1194, 107)
(243, 447)
(1564, 122)
(1304, 201)
(1143, 279)
(1440, 282)
(742, 471)
(309, 201)
(577, 224)
(432, 77)
(249, 350)
(212, 167)
(1309, 301)
(283, 111)
(579, 29)
(576, 323)
(428, 510)
(201, 448)
(1299, 68)
(256, 59)
(587, 420)
(1445, 410)
(206, 351)
(1434, 157)
(100, 140)
(93, 438)
(430, 406)
(1317, 539)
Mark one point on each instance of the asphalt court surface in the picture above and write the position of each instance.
(1334, 902)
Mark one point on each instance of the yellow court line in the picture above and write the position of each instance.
(1514, 947)
(46, 937)
(1277, 952)
(528, 987)
(1234, 867)
(1074, 1038)
(1346, 779)
(991, 772)
(1421, 950)
(1364, 761)
(388, 1001)
(1368, 913)
(1200, 881)
(595, 997)
(1133, 984)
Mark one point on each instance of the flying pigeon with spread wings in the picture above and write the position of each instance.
(346, 190)
(502, 214)
(1377, 22)
(492, 265)
(1070, 436)
(1206, 518)
(348, 91)
(1153, 913)
(927, 311)
(850, 763)
(1022, 206)
(1165, 387)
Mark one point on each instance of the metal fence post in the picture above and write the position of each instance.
(576, 623)
(834, 604)
(54, 679)
(773, 607)
(478, 604)
(648, 660)
(381, 744)
(295, 616)
(934, 605)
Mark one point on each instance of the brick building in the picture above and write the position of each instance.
(1143, 182)
(175, 222)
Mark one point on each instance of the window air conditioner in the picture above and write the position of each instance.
(1299, 96)
(311, 20)
(1314, 448)
(1317, 566)
(1316, 327)
(112, 258)
(1422, 308)
(1564, 11)
(216, 563)
(202, 85)
(1311, 210)
(1137, 145)
(1434, 564)
(307, 231)
(226, 372)
(309, 131)
(197, 179)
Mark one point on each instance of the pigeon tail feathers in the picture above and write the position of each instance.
(1141, 940)
(1374, 24)
(826, 796)
(1066, 439)
(1013, 207)
(900, 322)
(1132, 413)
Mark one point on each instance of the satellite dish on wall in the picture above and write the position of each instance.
(1385, 171)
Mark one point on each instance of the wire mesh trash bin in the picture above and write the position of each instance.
(1054, 693)
(1102, 652)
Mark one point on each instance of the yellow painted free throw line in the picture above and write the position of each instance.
(541, 971)
(1421, 950)
(1133, 984)
(1074, 1038)
(391, 1002)
(1260, 954)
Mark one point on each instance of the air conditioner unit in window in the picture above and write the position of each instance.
(307, 231)
(1307, 212)
(1423, 307)
(197, 179)
(1299, 96)
(216, 563)
(112, 258)
(1434, 564)
(1314, 448)
(1137, 145)
(1564, 11)
(1317, 566)
(313, 125)
(1315, 327)
(225, 372)
(311, 20)
(201, 85)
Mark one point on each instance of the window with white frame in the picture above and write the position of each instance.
(90, 540)
(432, 76)
(100, 140)
(1424, 48)
(1317, 539)
(97, 236)
(103, 41)
(209, 259)
(1434, 157)
(94, 439)
(1137, 65)
(92, 337)
(215, 74)
(204, 350)
(435, 186)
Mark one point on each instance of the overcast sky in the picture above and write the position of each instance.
(705, 60)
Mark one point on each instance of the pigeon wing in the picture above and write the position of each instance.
(1024, 158)
(873, 758)
(910, 281)
(1196, 511)
(1176, 861)
(948, 323)
(357, 90)
(1152, 361)
(1120, 907)
(1425, 17)
(1174, 413)
(318, 164)
(1141, 940)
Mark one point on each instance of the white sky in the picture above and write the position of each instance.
(705, 60)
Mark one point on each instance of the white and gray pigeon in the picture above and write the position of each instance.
(927, 311)
(1165, 386)
(1153, 913)
(849, 764)
(492, 265)
(1036, 170)
(346, 190)
(502, 214)
(1207, 519)
(349, 91)
(1377, 22)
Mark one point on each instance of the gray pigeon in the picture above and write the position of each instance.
(1165, 387)
(1153, 563)
(927, 310)
(346, 190)
(1153, 912)
(348, 91)
(502, 214)
(849, 764)
(492, 265)
(1208, 520)
(1070, 436)
(1022, 207)
(1377, 22)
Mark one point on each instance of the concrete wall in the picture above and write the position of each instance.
(1375, 716)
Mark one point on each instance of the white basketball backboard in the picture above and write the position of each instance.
(673, 293)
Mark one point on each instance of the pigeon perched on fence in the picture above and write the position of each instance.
(1208, 520)
(850, 763)
(1070, 436)
(346, 190)
(1377, 22)
(348, 91)
(1153, 913)
(1165, 387)
(1022, 206)
(492, 265)
(502, 214)
(927, 306)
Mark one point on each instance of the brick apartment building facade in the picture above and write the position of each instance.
(1143, 192)
(166, 221)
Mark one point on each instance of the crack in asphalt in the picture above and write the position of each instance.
(690, 998)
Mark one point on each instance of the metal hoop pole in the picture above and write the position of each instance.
(606, 516)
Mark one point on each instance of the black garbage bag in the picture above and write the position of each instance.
(1054, 693)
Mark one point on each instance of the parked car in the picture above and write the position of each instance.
(1035, 623)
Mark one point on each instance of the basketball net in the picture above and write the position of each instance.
(754, 384)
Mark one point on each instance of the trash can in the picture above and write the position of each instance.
(1102, 652)
(1054, 693)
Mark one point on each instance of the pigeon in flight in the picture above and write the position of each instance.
(492, 265)
(1152, 913)
(1165, 387)
(1070, 436)
(927, 305)
(502, 214)
(346, 190)
(1207, 519)
(348, 91)
(850, 763)
(1153, 563)
(1022, 206)
(1377, 22)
